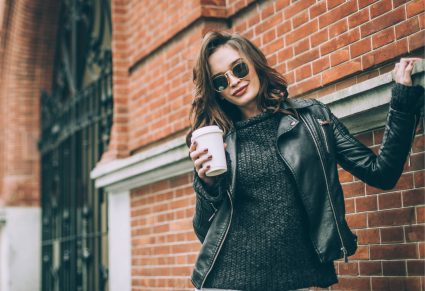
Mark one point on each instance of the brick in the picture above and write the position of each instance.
(388, 252)
(346, 83)
(415, 268)
(319, 37)
(371, 268)
(415, 7)
(383, 37)
(406, 28)
(418, 178)
(285, 54)
(397, 3)
(338, 13)
(368, 203)
(414, 197)
(301, 32)
(339, 57)
(394, 268)
(416, 40)
(382, 22)
(303, 72)
(270, 23)
(344, 176)
(361, 47)
(302, 46)
(393, 284)
(350, 268)
(305, 86)
(303, 59)
(415, 233)
(300, 19)
(418, 144)
(380, 8)
(338, 28)
(343, 70)
(317, 9)
(284, 28)
(392, 217)
(368, 236)
(364, 3)
(421, 250)
(353, 189)
(421, 18)
(297, 7)
(339, 42)
(349, 206)
(420, 214)
(362, 253)
(356, 221)
(391, 200)
(352, 283)
(358, 18)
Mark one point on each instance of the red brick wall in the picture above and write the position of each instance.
(320, 47)
(25, 69)
(164, 246)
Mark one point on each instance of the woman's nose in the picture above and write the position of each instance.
(233, 80)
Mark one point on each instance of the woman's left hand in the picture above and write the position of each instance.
(402, 72)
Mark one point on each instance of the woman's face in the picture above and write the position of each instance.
(240, 91)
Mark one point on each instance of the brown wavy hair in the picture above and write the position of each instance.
(208, 108)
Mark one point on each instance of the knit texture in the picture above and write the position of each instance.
(267, 246)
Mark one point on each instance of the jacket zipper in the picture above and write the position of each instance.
(322, 123)
(215, 211)
(222, 241)
(343, 249)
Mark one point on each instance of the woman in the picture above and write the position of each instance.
(275, 220)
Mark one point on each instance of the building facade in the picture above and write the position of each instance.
(137, 180)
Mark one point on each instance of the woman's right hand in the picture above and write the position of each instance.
(199, 157)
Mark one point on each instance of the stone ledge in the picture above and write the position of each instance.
(364, 106)
(360, 107)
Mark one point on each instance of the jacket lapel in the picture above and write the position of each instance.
(287, 123)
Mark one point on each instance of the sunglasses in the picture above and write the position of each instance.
(220, 82)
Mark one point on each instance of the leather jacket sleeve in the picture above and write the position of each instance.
(207, 203)
(382, 170)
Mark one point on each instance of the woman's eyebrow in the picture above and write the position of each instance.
(231, 65)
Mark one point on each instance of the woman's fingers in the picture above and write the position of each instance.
(403, 71)
(197, 153)
(204, 158)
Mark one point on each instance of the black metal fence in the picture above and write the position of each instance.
(75, 126)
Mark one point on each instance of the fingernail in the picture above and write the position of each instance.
(208, 167)
(210, 157)
(205, 150)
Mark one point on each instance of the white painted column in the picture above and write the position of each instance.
(20, 248)
(119, 241)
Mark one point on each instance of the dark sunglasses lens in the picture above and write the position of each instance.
(240, 70)
(220, 83)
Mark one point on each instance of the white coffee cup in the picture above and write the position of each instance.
(211, 138)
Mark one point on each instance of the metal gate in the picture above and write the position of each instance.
(75, 125)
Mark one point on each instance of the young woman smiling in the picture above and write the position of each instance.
(276, 219)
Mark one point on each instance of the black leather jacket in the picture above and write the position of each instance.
(311, 147)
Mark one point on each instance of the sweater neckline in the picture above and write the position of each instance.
(253, 120)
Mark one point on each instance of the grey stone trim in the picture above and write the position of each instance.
(364, 106)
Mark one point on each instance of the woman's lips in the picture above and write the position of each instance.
(240, 91)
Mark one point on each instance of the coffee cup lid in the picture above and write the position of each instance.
(206, 129)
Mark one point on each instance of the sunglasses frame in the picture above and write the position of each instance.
(240, 61)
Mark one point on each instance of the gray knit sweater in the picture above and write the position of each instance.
(267, 247)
